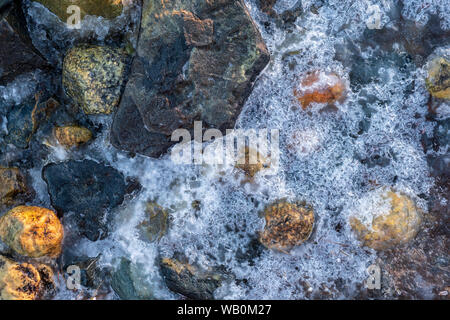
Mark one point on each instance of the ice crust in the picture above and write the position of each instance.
(335, 175)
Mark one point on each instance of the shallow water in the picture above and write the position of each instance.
(381, 119)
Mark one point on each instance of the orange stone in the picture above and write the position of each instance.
(25, 281)
(395, 225)
(320, 87)
(287, 225)
(32, 231)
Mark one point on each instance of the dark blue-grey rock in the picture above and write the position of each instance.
(195, 60)
(87, 190)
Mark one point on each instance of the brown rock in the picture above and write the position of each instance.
(397, 226)
(12, 184)
(156, 222)
(32, 231)
(72, 136)
(438, 81)
(198, 32)
(287, 225)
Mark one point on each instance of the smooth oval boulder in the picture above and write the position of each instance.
(196, 60)
(391, 221)
(287, 225)
(86, 189)
(320, 87)
(25, 119)
(93, 77)
(32, 231)
(130, 283)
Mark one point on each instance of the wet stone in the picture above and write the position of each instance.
(72, 136)
(93, 77)
(155, 223)
(17, 55)
(25, 281)
(287, 225)
(108, 9)
(195, 60)
(320, 87)
(438, 81)
(189, 280)
(32, 231)
(92, 275)
(251, 162)
(87, 190)
(18, 281)
(397, 226)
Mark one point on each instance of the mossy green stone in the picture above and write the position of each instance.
(93, 76)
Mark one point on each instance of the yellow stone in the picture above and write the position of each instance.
(438, 81)
(397, 226)
(251, 162)
(93, 76)
(32, 231)
(71, 136)
(18, 281)
(287, 225)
